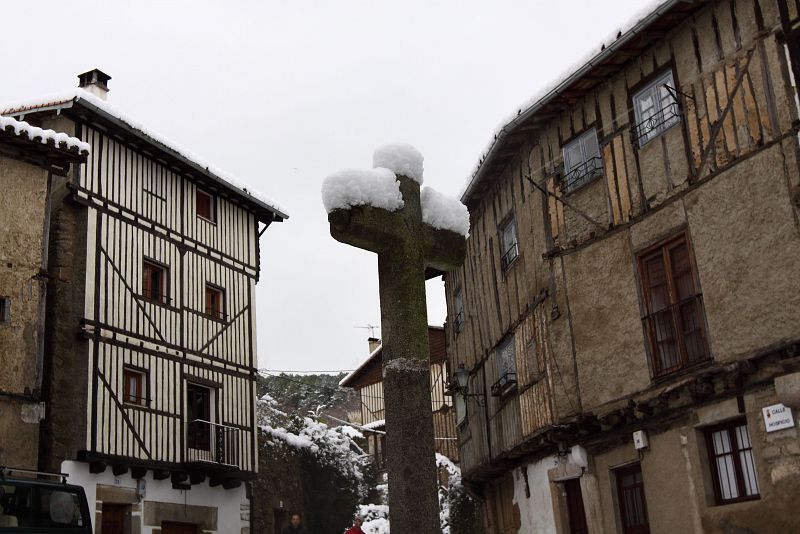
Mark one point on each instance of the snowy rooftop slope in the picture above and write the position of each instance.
(365, 364)
(58, 139)
(375, 425)
(76, 95)
(351, 187)
(444, 212)
(650, 9)
(400, 158)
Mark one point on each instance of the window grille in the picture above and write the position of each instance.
(154, 281)
(215, 302)
(582, 161)
(135, 383)
(506, 366)
(655, 109)
(508, 242)
(732, 464)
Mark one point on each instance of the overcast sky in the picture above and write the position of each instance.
(283, 93)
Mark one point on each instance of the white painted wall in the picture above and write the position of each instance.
(536, 512)
(228, 502)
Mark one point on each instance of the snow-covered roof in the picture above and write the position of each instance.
(375, 425)
(346, 381)
(55, 139)
(98, 106)
(651, 12)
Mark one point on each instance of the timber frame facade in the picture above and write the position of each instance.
(146, 377)
(630, 329)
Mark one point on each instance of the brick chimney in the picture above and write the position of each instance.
(374, 343)
(95, 81)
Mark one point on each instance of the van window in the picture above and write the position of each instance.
(27, 505)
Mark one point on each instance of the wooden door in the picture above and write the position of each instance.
(198, 406)
(281, 520)
(575, 511)
(177, 528)
(113, 518)
(630, 496)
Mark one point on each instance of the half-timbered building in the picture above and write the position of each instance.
(367, 380)
(629, 307)
(150, 363)
(32, 160)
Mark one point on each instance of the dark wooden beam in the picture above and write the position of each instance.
(97, 467)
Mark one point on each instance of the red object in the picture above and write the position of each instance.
(354, 530)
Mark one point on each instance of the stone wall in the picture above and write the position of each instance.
(278, 489)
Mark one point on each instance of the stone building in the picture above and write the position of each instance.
(629, 308)
(32, 162)
(150, 354)
(367, 380)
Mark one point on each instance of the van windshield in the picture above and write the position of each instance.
(31, 505)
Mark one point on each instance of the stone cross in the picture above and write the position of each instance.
(405, 246)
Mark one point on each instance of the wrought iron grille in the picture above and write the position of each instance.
(212, 442)
(677, 336)
(582, 174)
(505, 384)
(652, 126)
(509, 256)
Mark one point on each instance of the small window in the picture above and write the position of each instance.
(631, 500)
(582, 160)
(730, 455)
(655, 108)
(5, 309)
(215, 302)
(458, 323)
(134, 382)
(508, 242)
(206, 206)
(154, 281)
(506, 366)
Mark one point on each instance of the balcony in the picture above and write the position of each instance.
(505, 385)
(653, 126)
(676, 335)
(509, 256)
(212, 443)
(582, 174)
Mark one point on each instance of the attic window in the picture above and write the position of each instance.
(206, 206)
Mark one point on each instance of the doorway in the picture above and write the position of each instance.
(575, 510)
(115, 518)
(198, 407)
(281, 520)
(178, 528)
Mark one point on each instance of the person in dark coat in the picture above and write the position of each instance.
(295, 525)
(356, 528)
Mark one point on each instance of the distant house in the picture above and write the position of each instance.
(368, 381)
(32, 162)
(150, 354)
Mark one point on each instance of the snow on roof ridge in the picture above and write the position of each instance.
(549, 90)
(79, 94)
(45, 136)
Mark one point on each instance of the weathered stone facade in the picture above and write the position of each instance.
(714, 192)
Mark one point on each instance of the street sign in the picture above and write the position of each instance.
(777, 417)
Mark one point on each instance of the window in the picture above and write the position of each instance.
(215, 302)
(206, 207)
(655, 108)
(5, 309)
(508, 243)
(461, 409)
(134, 382)
(582, 160)
(506, 366)
(631, 501)
(733, 469)
(154, 281)
(458, 299)
(198, 407)
(675, 317)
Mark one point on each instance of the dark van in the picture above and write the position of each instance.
(38, 505)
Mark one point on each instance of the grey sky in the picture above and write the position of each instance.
(281, 94)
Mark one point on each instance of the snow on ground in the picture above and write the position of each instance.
(77, 93)
(44, 136)
(444, 212)
(400, 158)
(352, 187)
(376, 518)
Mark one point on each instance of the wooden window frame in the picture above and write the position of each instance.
(506, 383)
(219, 315)
(147, 293)
(622, 502)
(129, 371)
(212, 202)
(656, 129)
(588, 169)
(458, 304)
(730, 427)
(200, 434)
(506, 257)
(674, 306)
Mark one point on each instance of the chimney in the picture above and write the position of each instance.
(374, 343)
(95, 81)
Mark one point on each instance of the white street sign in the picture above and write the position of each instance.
(777, 417)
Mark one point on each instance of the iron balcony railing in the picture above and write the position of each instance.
(677, 336)
(582, 174)
(212, 443)
(652, 126)
(505, 384)
(509, 256)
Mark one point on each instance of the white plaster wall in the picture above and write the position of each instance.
(535, 512)
(228, 502)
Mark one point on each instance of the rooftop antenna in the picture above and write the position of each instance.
(370, 327)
